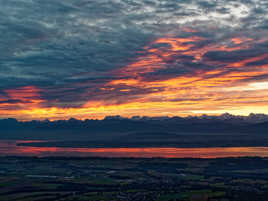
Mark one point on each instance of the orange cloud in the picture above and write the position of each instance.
(247, 61)
(28, 96)
(210, 90)
(31, 93)
(239, 41)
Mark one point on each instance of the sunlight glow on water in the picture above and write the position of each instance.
(9, 148)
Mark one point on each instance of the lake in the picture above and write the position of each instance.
(10, 148)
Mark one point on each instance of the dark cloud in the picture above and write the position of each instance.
(14, 101)
(230, 57)
(71, 48)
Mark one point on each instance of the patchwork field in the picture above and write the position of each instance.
(96, 179)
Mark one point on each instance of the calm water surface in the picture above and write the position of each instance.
(8, 148)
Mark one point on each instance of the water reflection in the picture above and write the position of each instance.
(10, 148)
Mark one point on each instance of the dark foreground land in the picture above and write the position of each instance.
(95, 179)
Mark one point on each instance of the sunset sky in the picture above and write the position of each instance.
(94, 58)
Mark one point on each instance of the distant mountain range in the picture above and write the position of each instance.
(225, 123)
(116, 131)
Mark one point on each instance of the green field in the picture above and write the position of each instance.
(157, 179)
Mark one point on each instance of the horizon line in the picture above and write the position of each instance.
(137, 117)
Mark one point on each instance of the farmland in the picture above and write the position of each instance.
(122, 179)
